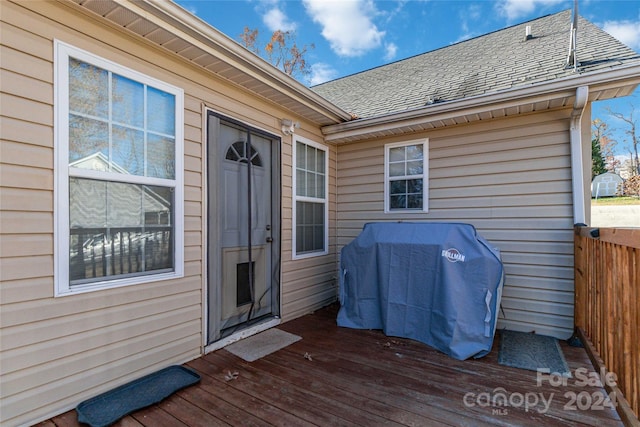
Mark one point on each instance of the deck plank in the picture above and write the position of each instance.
(286, 396)
(396, 366)
(359, 361)
(362, 377)
(245, 391)
(153, 415)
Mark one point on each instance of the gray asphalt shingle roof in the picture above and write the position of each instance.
(486, 64)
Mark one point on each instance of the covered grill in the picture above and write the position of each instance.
(438, 283)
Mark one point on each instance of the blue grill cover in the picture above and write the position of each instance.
(437, 283)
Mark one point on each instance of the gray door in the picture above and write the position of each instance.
(242, 281)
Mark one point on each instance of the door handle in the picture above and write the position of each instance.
(269, 239)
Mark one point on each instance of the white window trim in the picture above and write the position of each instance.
(425, 176)
(297, 198)
(62, 52)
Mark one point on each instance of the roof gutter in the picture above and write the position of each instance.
(477, 104)
(199, 33)
(577, 169)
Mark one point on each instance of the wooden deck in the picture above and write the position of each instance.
(356, 377)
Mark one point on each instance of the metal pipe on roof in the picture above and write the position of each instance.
(572, 58)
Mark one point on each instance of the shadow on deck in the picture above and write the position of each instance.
(356, 377)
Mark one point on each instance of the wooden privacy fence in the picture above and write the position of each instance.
(607, 306)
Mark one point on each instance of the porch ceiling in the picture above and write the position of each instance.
(170, 27)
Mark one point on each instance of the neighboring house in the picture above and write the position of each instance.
(263, 179)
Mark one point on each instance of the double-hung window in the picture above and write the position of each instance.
(119, 196)
(310, 207)
(406, 177)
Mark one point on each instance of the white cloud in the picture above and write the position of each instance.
(275, 19)
(467, 14)
(476, 12)
(190, 8)
(628, 32)
(391, 14)
(390, 51)
(463, 37)
(320, 73)
(346, 24)
(515, 9)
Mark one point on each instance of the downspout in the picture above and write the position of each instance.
(577, 169)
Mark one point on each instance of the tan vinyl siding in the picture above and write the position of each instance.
(56, 352)
(309, 283)
(59, 351)
(511, 179)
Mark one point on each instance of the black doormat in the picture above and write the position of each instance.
(532, 352)
(107, 408)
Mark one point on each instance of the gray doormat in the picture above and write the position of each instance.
(262, 344)
(532, 352)
(107, 408)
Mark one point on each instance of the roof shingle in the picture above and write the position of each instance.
(490, 63)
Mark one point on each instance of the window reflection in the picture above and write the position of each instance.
(130, 124)
(118, 229)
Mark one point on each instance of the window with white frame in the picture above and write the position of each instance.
(310, 207)
(119, 196)
(406, 176)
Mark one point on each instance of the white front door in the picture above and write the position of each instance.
(242, 284)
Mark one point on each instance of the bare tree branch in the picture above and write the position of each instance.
(281, 51)
(631, 131)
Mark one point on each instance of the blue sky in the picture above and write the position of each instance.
(355, 35)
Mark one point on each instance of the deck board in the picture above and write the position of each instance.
(361, 377)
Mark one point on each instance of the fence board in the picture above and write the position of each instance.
(607, 302)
